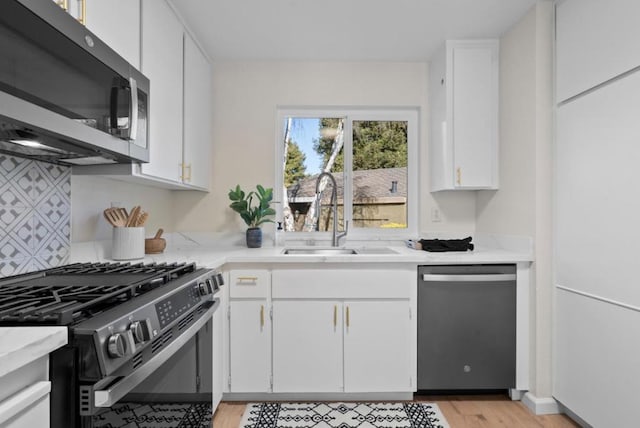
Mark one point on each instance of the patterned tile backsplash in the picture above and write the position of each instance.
(35, 215)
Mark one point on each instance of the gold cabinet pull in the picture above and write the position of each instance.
(458, 176)
(247, 278)
(83, 13)
(348, 318)
(63, 4)
(335, 316)
(261, 315)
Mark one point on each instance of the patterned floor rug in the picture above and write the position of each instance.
(343, 415)
(155, 415)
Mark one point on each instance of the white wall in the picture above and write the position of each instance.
(246, 97)
(522, 206)
(90, 195)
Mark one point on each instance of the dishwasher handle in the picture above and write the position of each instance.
(500, 277)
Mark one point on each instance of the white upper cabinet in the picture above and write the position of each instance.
(197, 116)
(596, 40)
(152, 37)
(162, 54)
(117, 23)
(463, 87)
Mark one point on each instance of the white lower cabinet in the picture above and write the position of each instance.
(341, 346)
(307, 346)
(339, 329)
(27, 408)
(377, 340)
(249, 346)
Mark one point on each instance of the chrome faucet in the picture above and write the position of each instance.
(334, 207)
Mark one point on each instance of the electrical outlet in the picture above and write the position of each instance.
(435, 215)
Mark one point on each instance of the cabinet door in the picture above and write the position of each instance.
(307, 346)
(249, 350)
(117, 23)
(595, 41)
(197, 116)
(596, 352)
(377, 346)
(597, 207)
(473, 112)
(162, 50)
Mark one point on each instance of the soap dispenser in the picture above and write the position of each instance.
(279, 236)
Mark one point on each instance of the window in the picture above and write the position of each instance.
(371, 155)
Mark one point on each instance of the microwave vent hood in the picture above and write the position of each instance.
(65, 96)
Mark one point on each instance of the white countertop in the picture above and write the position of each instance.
(214, 250)
(21, 345)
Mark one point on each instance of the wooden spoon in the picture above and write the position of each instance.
(133, 216)
(142, 219)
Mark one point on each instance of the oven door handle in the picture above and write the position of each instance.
(108, 397)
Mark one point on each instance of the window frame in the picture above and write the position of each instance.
(408, 114)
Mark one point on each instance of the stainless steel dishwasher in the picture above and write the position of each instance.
(466, 327)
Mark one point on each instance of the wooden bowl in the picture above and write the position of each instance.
(154, 245)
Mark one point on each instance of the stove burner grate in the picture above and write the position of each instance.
(67, 294)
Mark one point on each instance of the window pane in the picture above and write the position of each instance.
(312, 146)
(380, 174)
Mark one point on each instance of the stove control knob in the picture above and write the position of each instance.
(117, 345)
(204, 288)
(141, 330)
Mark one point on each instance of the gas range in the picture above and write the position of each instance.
(124, 321)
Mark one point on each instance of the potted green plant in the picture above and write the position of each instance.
(254, 215)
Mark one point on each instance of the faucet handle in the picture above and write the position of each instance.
(343, 233)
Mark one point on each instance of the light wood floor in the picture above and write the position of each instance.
(486, 411)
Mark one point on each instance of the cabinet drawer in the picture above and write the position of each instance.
(249, 283)
(339, 283)
(27, 408)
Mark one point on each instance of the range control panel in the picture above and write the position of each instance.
(172, 308)
(181, 302)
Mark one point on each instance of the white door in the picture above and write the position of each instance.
(307, 346)
(249, 340)
(377, 346)
(162, 49)
(197, 116)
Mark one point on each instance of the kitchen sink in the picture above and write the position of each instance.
(319, 251)
(338, 251)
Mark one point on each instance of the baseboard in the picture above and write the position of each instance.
(541, 405)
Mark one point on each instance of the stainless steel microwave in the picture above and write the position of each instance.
(65, 96)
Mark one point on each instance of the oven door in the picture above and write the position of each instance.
(110, 395)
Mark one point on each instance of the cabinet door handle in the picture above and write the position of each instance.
(261, 315)
(83, 13)
(335, 316)
(458, 176)
(188, 178)
(247, 278)
(64, 4)
(348, 317)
